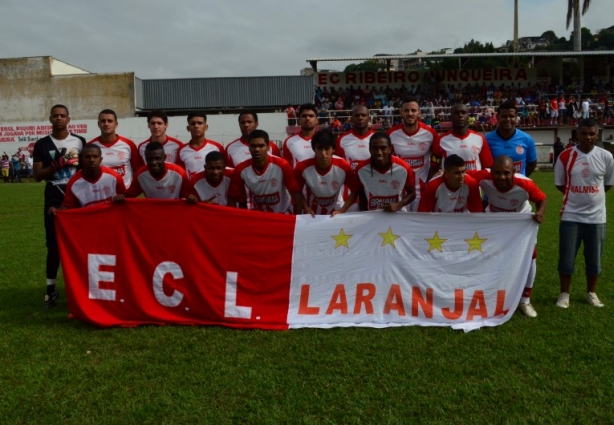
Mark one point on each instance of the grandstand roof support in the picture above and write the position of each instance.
(314, 65)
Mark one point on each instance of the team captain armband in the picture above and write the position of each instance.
(435, 159)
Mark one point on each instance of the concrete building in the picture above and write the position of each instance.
(29, 87)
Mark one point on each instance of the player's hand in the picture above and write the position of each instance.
(336, 212)
(191, 199)
(118, 199)
(391, 207)
(52, 211)
(211, 200)
(539, 218)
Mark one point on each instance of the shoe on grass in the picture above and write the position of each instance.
(563, 301)
(592, 299)
(51, 299)
(527, 309)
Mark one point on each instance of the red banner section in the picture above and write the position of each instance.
(167, 262)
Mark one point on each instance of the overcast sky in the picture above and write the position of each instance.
(207, 38)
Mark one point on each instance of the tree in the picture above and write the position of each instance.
(573, 10)
(370, 65)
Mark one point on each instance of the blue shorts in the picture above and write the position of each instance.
(571, 235)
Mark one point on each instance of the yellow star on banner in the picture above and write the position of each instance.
(389, 237)
(475, 243)
(435, 242)
(342, 239)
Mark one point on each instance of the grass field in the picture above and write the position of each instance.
(556, 368)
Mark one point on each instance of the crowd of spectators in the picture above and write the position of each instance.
(538, 104)
(17, 166)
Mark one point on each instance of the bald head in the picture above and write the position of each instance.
(504, 161)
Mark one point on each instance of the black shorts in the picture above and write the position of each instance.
(54, 196)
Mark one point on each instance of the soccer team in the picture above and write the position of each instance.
(408, 168)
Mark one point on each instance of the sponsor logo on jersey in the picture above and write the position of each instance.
(106, 190)
(497, 209)
(518, 166)
(121, 170)
(475, 150)
(514, 202)
(121, 156)
(376, 202)
(471, 165)
(414, 161)
(172, 188)
(395, 184)
(519, 150)
(586, 173)
(325, 202)
(334, 184)
(422, 146)
(274, 182)
(584, 189)
(268, 199)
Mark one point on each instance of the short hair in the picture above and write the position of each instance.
(157, 113)
(215, 156)
(90, 146)
(453, 161)
(508, 105)
(197, 114)
(108, 112)
(308, 107)
(381, 135)
(259, 134)
(410, 100)
(153, 146)
(252, 113)
(588, 122)
(58, 106)
(324, 138)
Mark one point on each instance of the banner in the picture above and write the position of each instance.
(168, 262)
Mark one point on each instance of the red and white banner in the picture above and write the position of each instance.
(167, 262)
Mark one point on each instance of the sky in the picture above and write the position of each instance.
(237, 38)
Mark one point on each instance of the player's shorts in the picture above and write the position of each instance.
(5, 172)
(554, 113)
(571, 235)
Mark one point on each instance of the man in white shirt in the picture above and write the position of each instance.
(583, 174)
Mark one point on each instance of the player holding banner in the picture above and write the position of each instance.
(325, 175)
(508, 191)
(56, 158)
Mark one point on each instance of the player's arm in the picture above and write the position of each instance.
(187, 191)
(410, 193)
(347, 204)
(540, 211)
(560, 179)
(485, 155)
(274, 149)
(436, 157)
(120, 189)
(236, 196)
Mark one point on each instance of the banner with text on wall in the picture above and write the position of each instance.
(167, 262)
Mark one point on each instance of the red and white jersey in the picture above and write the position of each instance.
(415, 148)
(296, 149)
(173, 184)
(192, 160)
(171, 149)
(385, 186)
(438, 197)
(354, 148)
(515, 199)
(121, 156)
(237, 152)
(205, 190)
(268, 188)
(472, 147)
(323, 188)
(584, 176)
(81, 192)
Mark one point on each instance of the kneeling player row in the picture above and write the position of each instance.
(325, 184)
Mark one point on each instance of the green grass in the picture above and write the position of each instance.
(553, 369)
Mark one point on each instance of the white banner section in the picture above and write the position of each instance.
(380, 269)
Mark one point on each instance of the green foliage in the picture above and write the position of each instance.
(371, 65)
(552, 369)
